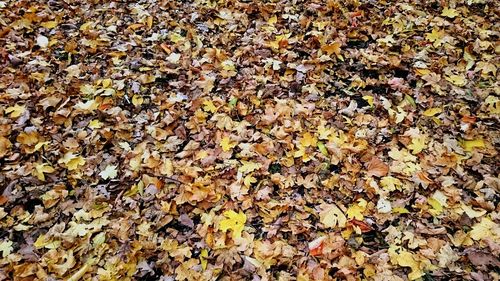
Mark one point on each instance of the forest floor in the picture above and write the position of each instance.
(249, 140)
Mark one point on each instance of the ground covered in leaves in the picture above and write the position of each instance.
(249, 140)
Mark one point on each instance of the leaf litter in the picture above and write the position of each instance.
(249, 140)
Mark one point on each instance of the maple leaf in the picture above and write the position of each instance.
(331, 216)
(279, 41)
(41, 170)
(249, 180)
(109, 172)
(248, 167)
(6, 247)
(226, 144)
(233, 221)
(450, 12)
(333, 48)
(28, 138)
(308, 140)
(95, 124)
(436, 36)
(406, 259)
(72, 161)
(355, 211)
(209, 106)
(390, 183)
(418, 144)
(485, 228)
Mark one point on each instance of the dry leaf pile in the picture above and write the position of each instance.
(249, 140)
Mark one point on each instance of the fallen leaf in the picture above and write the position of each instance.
(233, 221)
(109, 172)
(331, 216)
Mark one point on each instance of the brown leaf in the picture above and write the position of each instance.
(377, 168)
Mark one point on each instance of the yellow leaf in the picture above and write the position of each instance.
(81, 272)
(471, 213)
(248, 180)
(137, 100)
(437, 208)
(228, 65)
(308, 140)
(45, 242)
(368, 99)
(106, 83)
(248, 167)
(41, 170)
(276, 43)
(331, 216)
(493, 104)
(406, 259)
(451, 13)
(86, 26)
(109, 172)
(322, 149)
(457, 80)
(436, 37)
(391, 183)
(95, 124)
(40, 145)
(400, 210)
(272, 20)
(71, 161)
(484, 229)
(226, 144)
(355, 211)
(422, 71)
(175, 37)
(469, 145)
(203, 258)
(201, 154)
(49, 24)
(233, 221)
(209, 106)
(417, 144)
(432, 111)
(15, 111)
